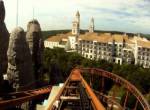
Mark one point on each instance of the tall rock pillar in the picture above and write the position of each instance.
(19, 71)
(4, 40)
(36, 45)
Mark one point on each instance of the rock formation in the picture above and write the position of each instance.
(4, 40)
(19, 60)
(36, 45)
(2, 11)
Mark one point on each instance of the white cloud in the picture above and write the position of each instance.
(58, 14)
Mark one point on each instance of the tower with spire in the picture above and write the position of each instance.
(76, 25)
(91, 27)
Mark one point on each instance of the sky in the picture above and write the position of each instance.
(118, 15)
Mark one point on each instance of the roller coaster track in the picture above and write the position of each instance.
(17, 98)
(76, 94)
(119, 80)
(79, 95)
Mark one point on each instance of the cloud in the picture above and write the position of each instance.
(124, 15)
(129, 14)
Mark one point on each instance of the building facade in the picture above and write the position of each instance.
(115, 48)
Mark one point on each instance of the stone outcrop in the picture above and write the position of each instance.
(19, 60)
(4, 40)
(36, 45)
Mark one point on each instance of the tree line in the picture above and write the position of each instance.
(58, 64)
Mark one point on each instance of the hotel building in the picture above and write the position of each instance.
(118, 48)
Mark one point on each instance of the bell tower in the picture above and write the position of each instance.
(91, 27)
(76, 24)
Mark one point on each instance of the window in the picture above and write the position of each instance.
(104, 49)
(95, 43)
(139, 52)
(113, 60)
(142, 58)
(139, 57)
(86, 56)
(90, 56)
(147, 59)
(118, 61)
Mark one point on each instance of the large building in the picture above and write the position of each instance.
(66, 41)
(115, 48)
(118, 48)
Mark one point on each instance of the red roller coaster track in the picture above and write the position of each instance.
(76, 75)
(119, 80)
(17, 98)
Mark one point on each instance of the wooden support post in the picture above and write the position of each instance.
(126, 99)
(102, 84)
(136, 104)
(91, 80)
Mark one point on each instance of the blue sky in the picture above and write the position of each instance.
(119, 15)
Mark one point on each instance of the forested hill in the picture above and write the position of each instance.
(49, 33)
(146, 36)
